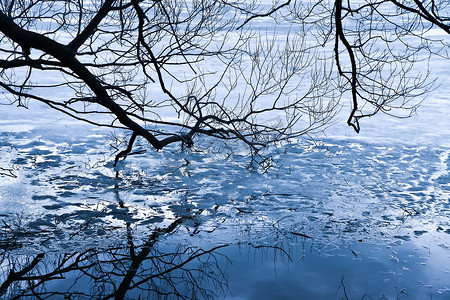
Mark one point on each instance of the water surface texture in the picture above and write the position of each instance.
(343, 217)
(339, 216)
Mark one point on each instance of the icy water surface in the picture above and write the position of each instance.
(341, 218)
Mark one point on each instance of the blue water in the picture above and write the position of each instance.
(334, 218)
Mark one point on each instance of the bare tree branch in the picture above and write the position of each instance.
(169, 71)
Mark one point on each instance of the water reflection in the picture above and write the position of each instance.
(131, 268)
(340, 220)
(172, 263)
(125, 271)
(326, 271)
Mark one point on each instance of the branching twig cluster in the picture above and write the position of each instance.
(259, 73)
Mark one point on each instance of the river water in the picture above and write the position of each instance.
(341, 216)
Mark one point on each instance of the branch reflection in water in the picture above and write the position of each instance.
(320, 240)
(129, 270)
